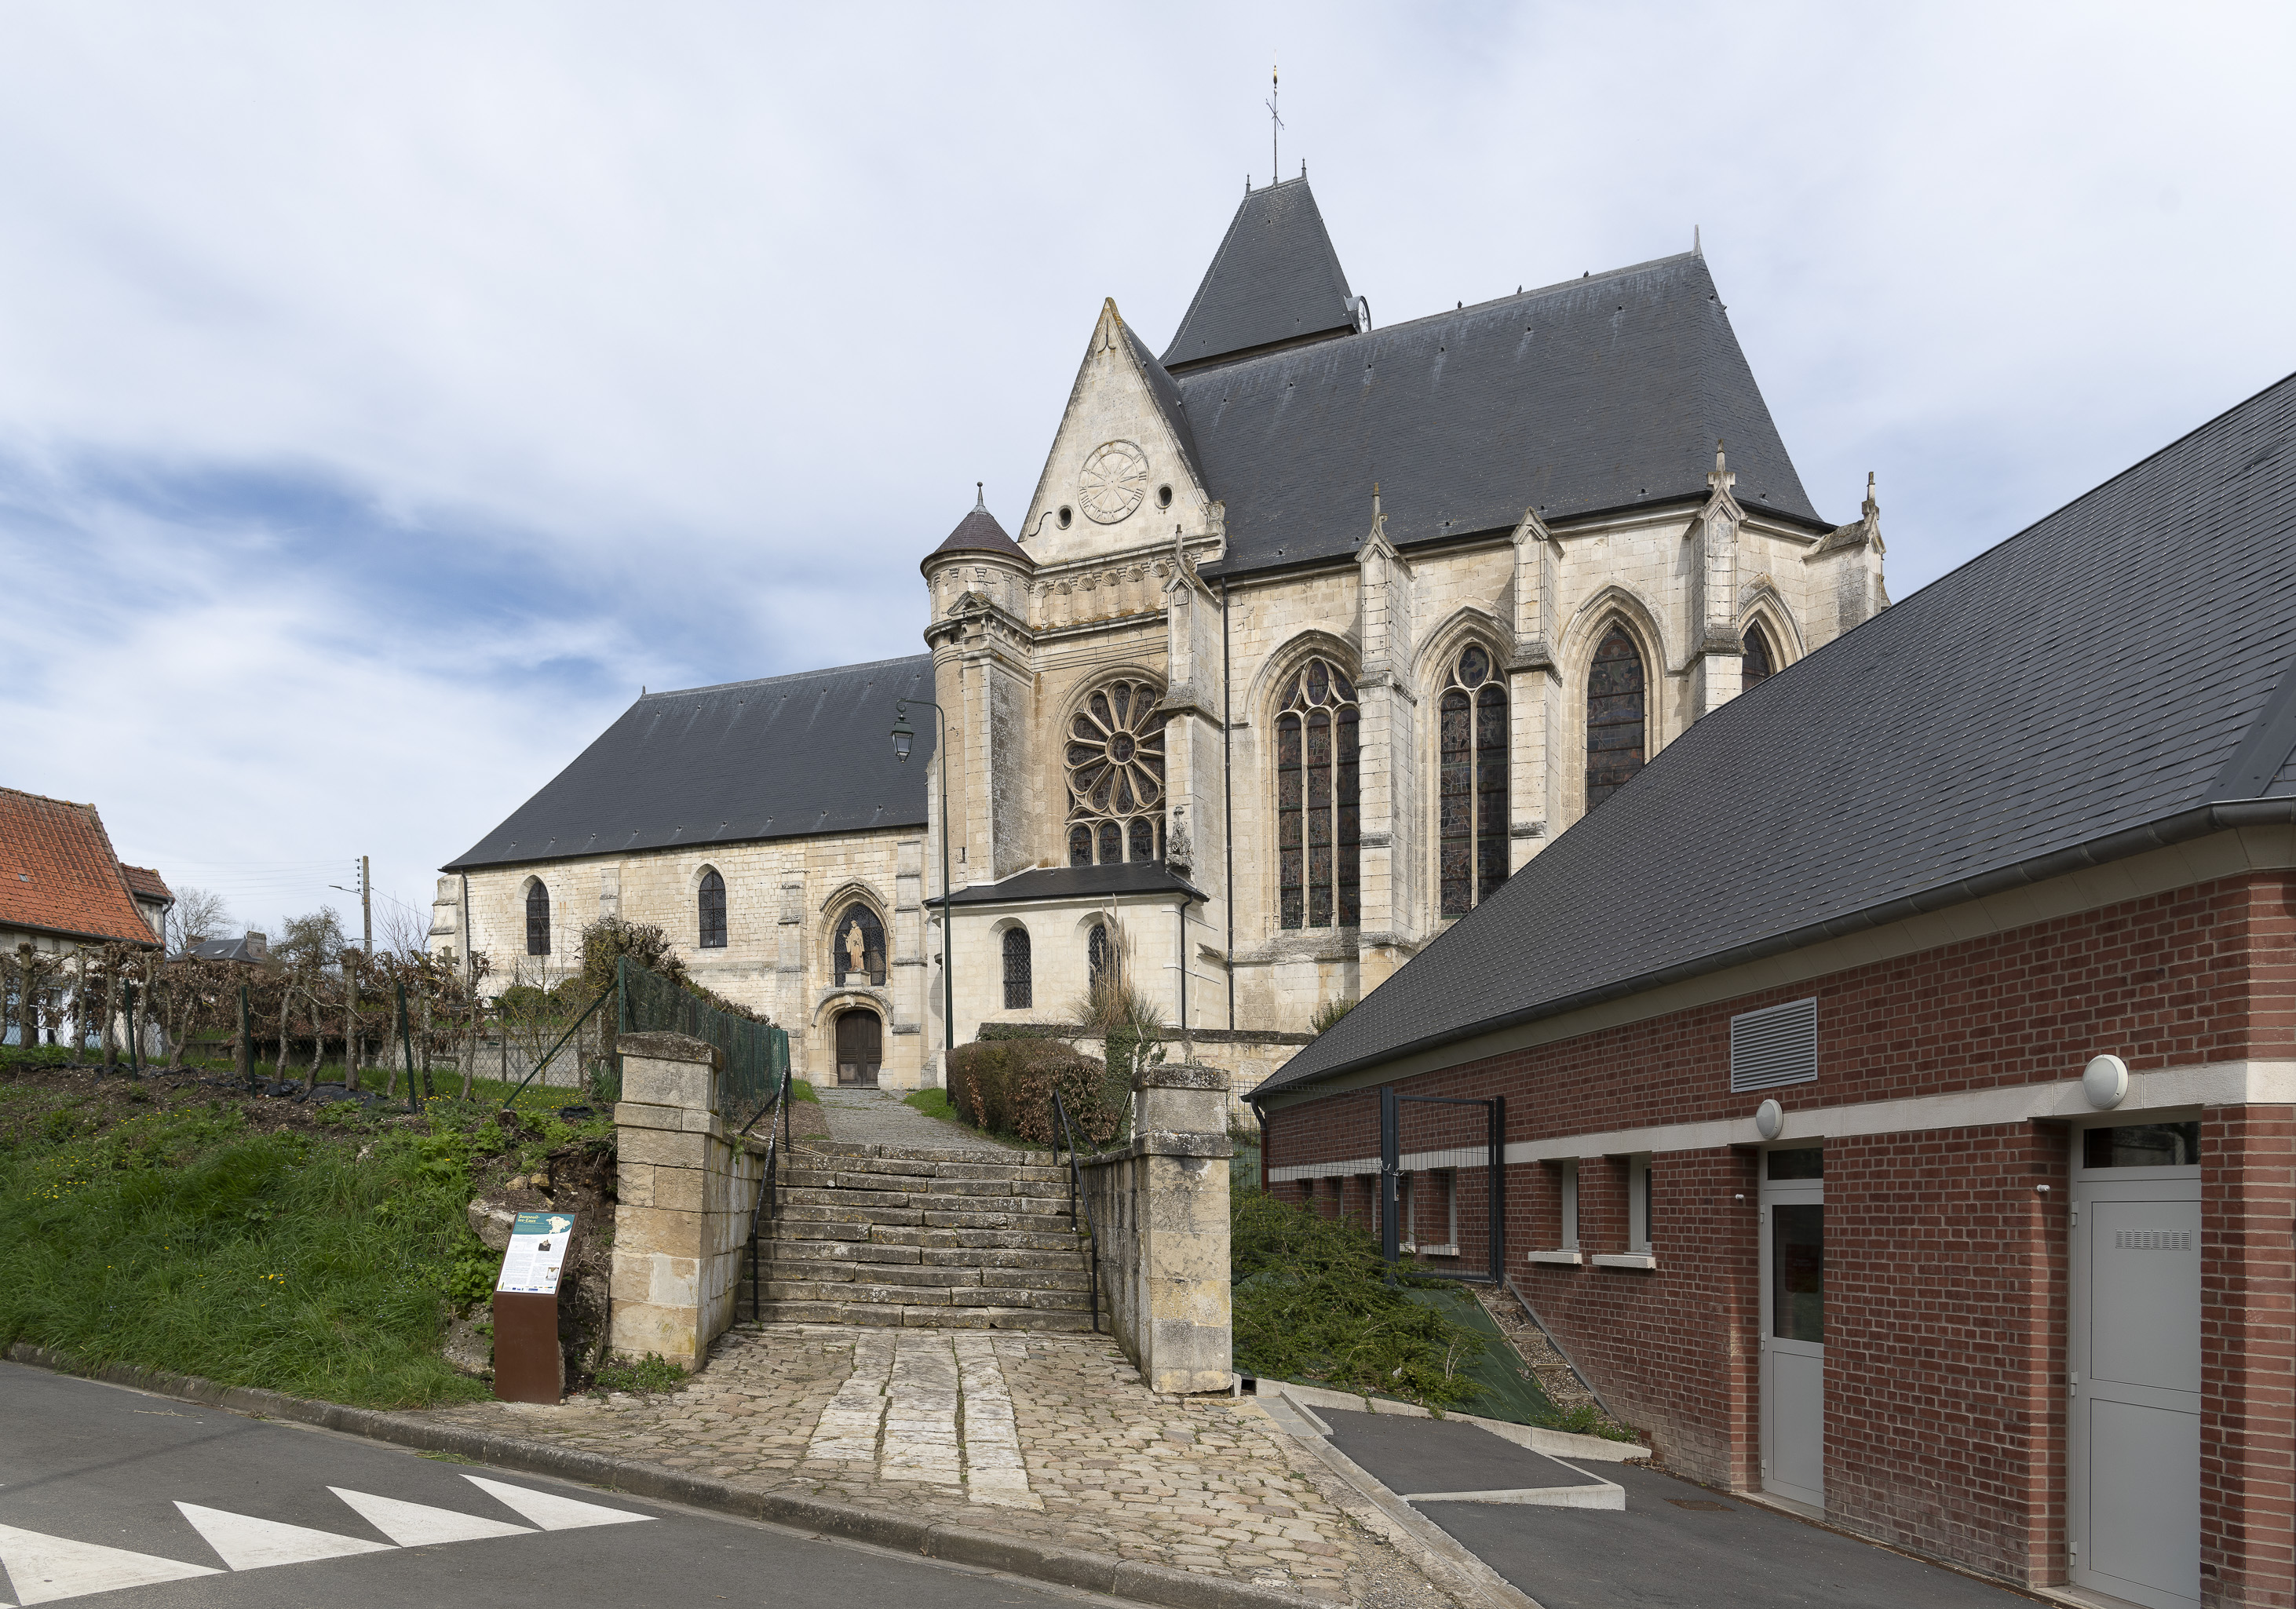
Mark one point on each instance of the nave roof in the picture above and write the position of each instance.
(783, 757)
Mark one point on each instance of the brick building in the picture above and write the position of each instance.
(1899, 1074)
(1307, 639)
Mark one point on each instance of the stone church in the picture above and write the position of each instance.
(1313, 631)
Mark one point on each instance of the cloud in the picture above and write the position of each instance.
(386, 394)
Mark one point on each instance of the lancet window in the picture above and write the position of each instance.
(1116, 776)
(712, 911)
(1615, 716)
(1318, 818)
(1020, 983)
(537, 918)
(1758, 661)
(1471, 779)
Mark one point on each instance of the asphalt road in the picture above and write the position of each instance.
(108, 1496)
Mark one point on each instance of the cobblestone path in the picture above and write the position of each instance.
(1067, 1448)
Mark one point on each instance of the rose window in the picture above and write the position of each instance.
(1116, 776)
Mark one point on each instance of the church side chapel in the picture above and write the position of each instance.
(1313, 632)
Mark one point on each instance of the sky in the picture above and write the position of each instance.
(387, 394)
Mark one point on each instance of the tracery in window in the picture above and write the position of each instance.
(856, 946)
(1614, 716)
(713, 901)
(1471, 779)
(537, 918)
(1019, 984)
(1098, 954)
(1758, 661)
(1318, 848)
(1115, 763)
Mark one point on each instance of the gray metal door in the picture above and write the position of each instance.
(2133, 1372)
(1793, 1325)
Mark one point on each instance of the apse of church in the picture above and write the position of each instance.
(1311, 633)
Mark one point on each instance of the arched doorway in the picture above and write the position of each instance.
(860, 1045)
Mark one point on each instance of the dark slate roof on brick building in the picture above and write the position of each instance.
(978, 533)
(1597, 395)
(1275, 278)
(781, 758)
(2118, 676)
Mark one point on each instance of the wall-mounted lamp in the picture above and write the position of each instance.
(2105, 1081)
(1769, 1120)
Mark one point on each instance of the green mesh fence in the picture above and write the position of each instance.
(757, 1053)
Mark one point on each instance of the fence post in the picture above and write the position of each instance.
(406, 1039)
(246, 1041)
(1497, 1193)
(1389, 1154)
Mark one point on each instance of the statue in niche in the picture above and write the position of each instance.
(854, 949)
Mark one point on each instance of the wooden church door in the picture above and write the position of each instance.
(859, 1044)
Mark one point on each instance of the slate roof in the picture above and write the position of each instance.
(2110, 678)
(978, 533)
(1079, 882)
(784, 757)
(1275, 278)
(250, 948)
(59, 873)
(1595, 395)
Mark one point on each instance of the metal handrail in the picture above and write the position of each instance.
(1077, 1194)
(768, 1202)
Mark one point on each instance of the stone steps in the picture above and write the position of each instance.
(914, 1318)
(914, 1237)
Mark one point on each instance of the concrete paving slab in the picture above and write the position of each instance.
(1680, 1546)
(1414, 1455)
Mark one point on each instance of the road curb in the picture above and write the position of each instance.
(1157, 1584)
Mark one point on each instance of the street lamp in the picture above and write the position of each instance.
(903, 739)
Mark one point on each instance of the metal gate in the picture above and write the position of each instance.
(1442, 1184)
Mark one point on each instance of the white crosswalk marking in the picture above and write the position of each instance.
(552, 1512)
(418, 1524)
(43, 1569)
(246, 1543)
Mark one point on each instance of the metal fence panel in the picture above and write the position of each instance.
(1442, 1184)
(756, 1054)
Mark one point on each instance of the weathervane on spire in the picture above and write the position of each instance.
(1275, 129)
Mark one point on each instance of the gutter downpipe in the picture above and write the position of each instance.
(1228, 808)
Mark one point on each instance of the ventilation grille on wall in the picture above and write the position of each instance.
(1775, 1046)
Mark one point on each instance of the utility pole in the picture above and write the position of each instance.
(366, 907)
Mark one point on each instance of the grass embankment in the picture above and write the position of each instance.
(314, 1251)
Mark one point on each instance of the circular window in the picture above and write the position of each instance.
(1065, 515)
(1163, 496)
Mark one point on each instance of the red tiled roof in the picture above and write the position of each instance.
(145, 884)
(58, 871)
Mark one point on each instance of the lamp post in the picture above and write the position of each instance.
(903, 740)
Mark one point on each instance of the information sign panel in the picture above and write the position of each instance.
(536, 1252)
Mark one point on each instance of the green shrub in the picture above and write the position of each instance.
(1006, 1086)
(1312, 1301)
(654, 1373)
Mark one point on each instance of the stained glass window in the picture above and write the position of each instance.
(1318, 820)
(1470, 724)
(537, 919)
(1757, 662)
(1115, 763)
(1020, 987)
(1097, 954)
(713, 911)
(1614, 716)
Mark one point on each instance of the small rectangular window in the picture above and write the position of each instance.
(2142, 1145)
(1569, 1182)
(1775, 1046)
(1803, 1161)
(1638, 1204)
